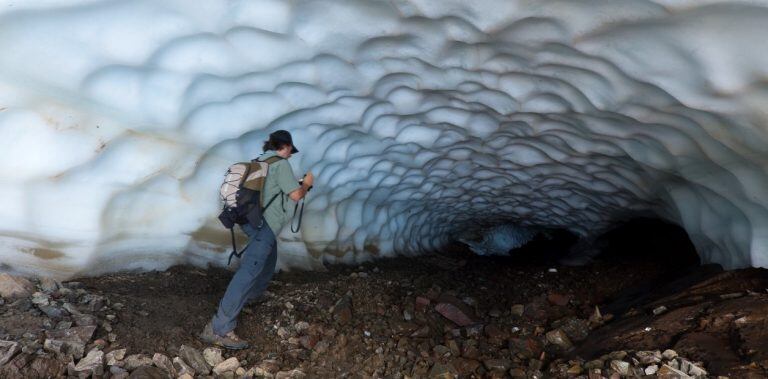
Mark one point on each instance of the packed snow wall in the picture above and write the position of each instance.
(422, 120)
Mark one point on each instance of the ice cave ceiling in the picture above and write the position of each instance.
(423, 120)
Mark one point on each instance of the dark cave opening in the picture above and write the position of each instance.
(635, 240)
(547, 248)
(648, 239)
(657, 257)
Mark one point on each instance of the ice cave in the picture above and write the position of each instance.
(425, 123)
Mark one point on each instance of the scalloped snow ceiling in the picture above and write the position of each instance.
(424, 121)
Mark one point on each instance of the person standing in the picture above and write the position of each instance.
(257, 264)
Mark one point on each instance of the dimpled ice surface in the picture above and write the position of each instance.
(423, 120)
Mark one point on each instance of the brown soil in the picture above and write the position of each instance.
(180, 301)
(163, 310)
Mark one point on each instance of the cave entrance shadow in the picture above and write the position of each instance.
(652, 241)
(643, 242)
(546, 248)
(636, 240)
(648, 239)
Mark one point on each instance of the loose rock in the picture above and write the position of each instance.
(15, 287)
(648, 357)
(118, 372)
(48, 285)
(230, 364)
(182, 368)
(669, 372)
(443, 371)
(669, 354)
(620, 367)
(93, 363)
(212, 356)
(497, 364)
(342, 310)
(559, 338)
(114, 356)
(518, 309)
(135, 361)
(8, 349)
(558, 299)
(455, 310)
(164, 363)
(194, 359)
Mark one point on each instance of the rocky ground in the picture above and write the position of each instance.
(435, 316)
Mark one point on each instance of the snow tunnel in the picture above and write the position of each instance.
(425, 122)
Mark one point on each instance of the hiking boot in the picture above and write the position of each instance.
(228, 341)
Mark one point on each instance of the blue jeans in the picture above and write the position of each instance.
(257, 265)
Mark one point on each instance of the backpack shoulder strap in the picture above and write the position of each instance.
(254, 163)
(271, 160)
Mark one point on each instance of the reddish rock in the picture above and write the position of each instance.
(422, 303)
(342, 311)
(455, 310)
(558, 299)
(525, 347)
(453, 313)
(465, 366)
(308, 342)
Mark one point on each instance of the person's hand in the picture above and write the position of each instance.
(309, 179)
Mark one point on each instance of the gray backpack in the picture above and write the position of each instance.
(242, 195)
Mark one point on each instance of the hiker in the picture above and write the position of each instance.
(257, 264)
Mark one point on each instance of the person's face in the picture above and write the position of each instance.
(285, 151)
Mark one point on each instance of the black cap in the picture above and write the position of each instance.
(283, 137)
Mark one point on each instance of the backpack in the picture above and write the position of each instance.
(242, 196)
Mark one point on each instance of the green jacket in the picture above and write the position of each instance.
(280, 181)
